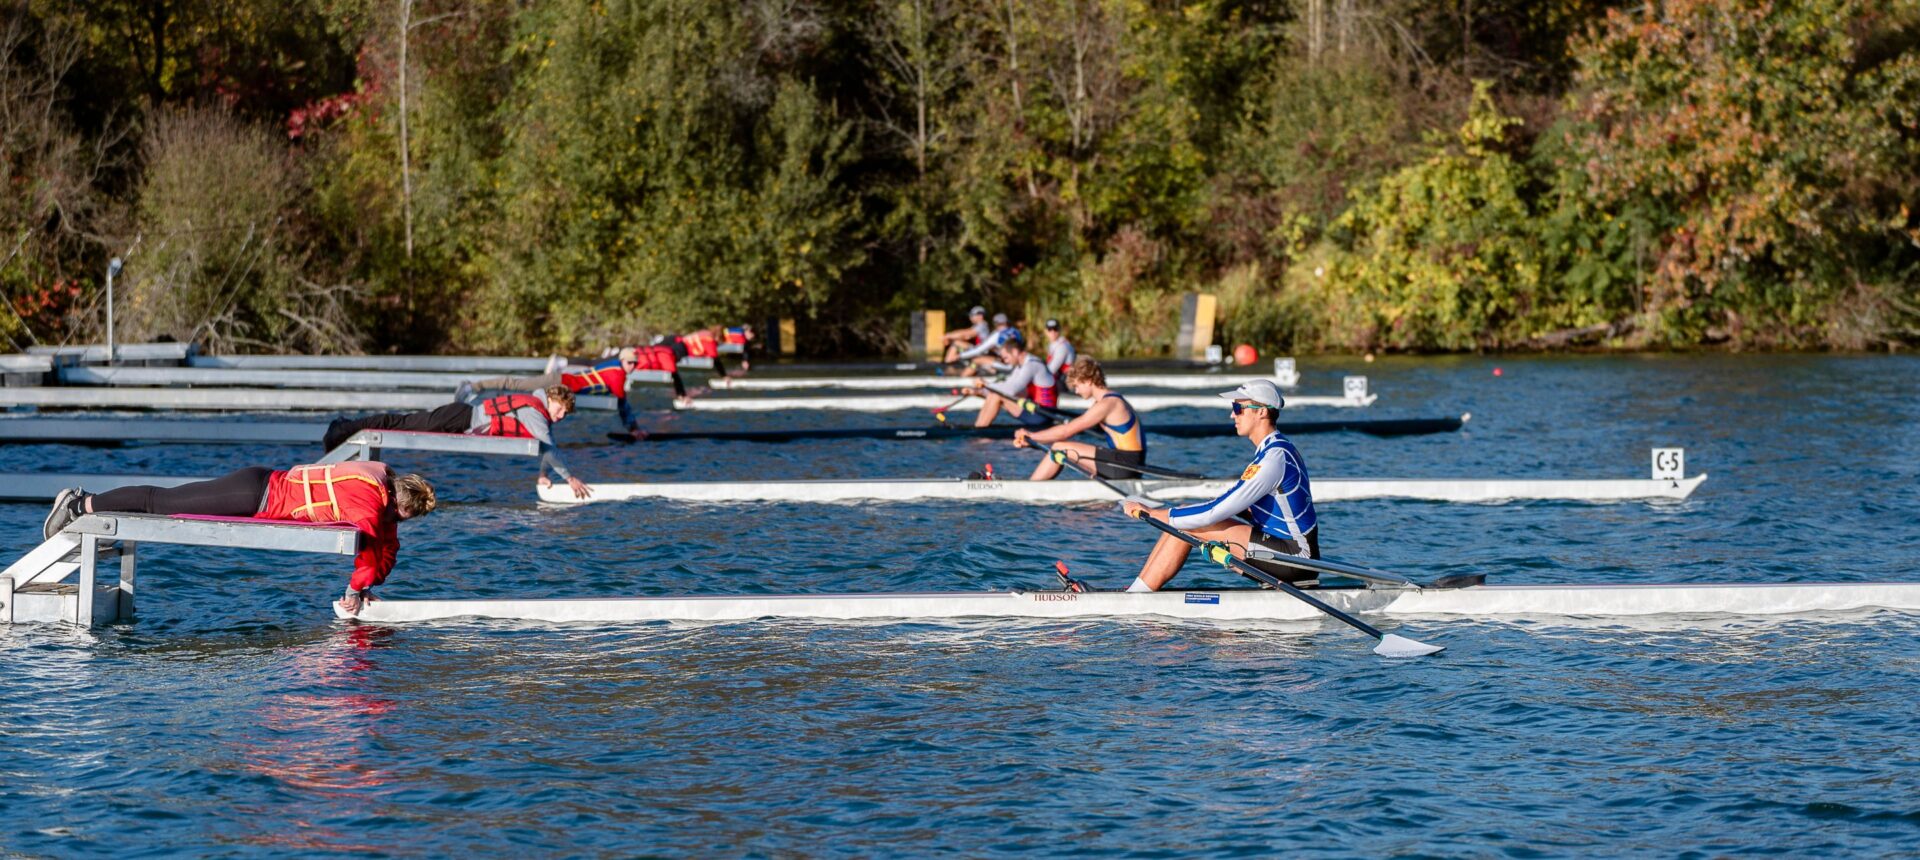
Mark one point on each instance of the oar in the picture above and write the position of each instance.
(1391, 645)
(941, 411)
(1144, 469)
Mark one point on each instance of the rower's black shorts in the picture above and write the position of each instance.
(1286, 546)
(1109, 463)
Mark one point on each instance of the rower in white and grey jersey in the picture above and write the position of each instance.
(1060, 352)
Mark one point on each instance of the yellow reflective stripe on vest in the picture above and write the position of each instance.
(302, 477)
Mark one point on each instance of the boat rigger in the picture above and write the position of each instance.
(1078, 492)
(1215, 605)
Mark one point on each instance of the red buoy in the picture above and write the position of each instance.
(1244, 355)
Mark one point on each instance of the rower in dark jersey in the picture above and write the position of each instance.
(1107, 410)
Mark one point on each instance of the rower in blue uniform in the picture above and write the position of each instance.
(1107, 410)
(1029, 381)
(982, 356)
(1273, 494)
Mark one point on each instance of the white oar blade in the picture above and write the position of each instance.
(1400, 646)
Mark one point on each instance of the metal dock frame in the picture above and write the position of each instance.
(367, 445)
(59, 581)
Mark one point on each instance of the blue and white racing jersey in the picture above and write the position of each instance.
(990, 342)
(1273, 491)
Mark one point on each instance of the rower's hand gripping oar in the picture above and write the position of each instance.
(1391, 645)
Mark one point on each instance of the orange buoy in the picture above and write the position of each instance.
(1496, 371)
(1244, 355)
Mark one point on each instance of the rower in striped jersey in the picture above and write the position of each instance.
(1273, 494)
(1109, 411)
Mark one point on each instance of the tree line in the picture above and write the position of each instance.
(511, 175)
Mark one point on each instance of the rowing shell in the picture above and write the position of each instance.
(895, 402)
(1073, 492)
(1208, 381)
(1223, 605)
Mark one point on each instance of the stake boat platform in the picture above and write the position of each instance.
(1216, 605)
(1081, 491)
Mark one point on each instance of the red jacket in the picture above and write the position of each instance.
(655, 358)
(359, 494)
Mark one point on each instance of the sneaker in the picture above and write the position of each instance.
(464, 393)
(67, 507)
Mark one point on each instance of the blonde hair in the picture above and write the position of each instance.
(560, 395)
(1086, 369)
(413, 496)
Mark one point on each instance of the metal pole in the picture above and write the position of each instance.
(113, 268)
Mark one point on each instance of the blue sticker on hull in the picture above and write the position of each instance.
(1203, 598)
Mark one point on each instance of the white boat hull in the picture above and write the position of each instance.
(1080, 491)
(1199, 381)
(1224, 605)
(899, 402)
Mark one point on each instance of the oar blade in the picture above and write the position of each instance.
(1400, 646)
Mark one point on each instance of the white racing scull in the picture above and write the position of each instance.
(1234, 604)
(898, 402)
(1077, 491)
(1199, 381)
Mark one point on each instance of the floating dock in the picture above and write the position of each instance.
(60, 580)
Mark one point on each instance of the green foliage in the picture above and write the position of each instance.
(1379, 174)
(1442, 251)
(1765, 160)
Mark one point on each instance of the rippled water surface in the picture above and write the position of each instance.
(236, 717)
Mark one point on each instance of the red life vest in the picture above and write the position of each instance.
(700, 344)
(604, 378)
(316, 491)
(659, 358)
(502, 419)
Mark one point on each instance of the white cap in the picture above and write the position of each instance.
(1259, 391)
(999, 319)
(977, 311)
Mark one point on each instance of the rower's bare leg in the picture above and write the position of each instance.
(1079, 452)
(989, 409)
(1170, 552)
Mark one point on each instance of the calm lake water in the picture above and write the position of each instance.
(235, 717)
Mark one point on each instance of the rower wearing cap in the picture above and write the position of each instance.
(1109, 411)
(1029, 380)
(981, 356)
(961, 338)
(1273, 493)
(1060, 352)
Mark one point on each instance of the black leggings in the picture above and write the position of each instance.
(236, 494)
(451, 418)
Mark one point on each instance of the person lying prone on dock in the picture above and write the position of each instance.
(365, 495)
(606, 377)
(520, 416)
